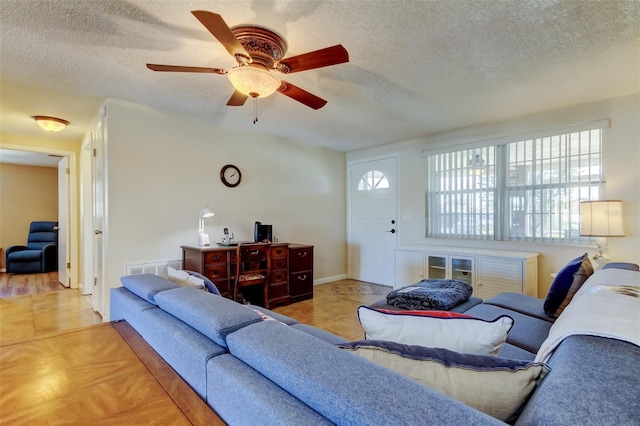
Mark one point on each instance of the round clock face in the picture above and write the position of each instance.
(230, 175)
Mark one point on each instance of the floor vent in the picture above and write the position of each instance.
(155, 268)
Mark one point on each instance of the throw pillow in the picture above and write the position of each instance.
(184, 278)
(496, 386)
(462, 334)
(566, 283)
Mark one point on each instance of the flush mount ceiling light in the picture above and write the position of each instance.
(50, 124)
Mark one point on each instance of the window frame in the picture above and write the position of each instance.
(505, 192)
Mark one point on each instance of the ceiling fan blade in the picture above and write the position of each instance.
(317, 59)
(179, 68)
(237, 99)
(221, 31)
(302, 96)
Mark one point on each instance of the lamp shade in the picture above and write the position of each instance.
(253, 81)
(601, 218)
(206, 212)
(50, 124)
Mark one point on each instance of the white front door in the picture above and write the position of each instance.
(372, 239)
(63, 220)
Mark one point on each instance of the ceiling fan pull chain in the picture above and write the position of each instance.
(255, 110)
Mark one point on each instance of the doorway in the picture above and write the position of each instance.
(372, 220)
(67, 200)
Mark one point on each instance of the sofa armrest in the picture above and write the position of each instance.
(622, 265)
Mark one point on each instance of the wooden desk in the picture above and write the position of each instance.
(291, 278)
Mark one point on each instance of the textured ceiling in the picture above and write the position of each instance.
(416, 67)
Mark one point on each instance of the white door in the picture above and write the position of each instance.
(372, 242)
(98, 219)
(63, 220)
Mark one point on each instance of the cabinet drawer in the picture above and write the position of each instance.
(301, 259)
(279, 263)
(300, 283)
(215, 257)
(215, 272)
(277, 291)
(278, 276)
(278, 252)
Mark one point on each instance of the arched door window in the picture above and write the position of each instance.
(373, 179)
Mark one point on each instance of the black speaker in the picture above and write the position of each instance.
(262, 232)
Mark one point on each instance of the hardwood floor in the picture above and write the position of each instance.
(40, 312)
(334, 307)
(22, 284)
(94, 375)
(60, 365)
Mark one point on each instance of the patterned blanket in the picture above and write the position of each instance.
(431, 295)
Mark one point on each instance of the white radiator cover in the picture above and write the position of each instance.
(158, 268)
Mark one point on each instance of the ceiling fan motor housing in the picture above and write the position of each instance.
(265, 46)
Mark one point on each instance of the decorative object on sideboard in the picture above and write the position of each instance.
(203, 239)
(601, 219)
(50, 124)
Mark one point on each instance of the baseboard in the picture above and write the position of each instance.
(330, 279)
(3, 270)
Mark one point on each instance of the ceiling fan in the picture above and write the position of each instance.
(259, 52)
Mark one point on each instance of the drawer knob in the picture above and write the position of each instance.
(302, 277)
(302, 254)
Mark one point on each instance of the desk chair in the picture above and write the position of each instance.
(253, 266)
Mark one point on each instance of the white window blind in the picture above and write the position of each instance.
(526, 190)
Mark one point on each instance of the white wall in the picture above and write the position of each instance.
(164, 168)
(621, 165)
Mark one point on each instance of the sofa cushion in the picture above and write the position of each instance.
(496, 386)
(242, 396)
(513, 352)
(527, 305)
(124, 305)
(183, 348)
(320, 334)
(527, 333)
(343, 388)
(566, 283)
(461, 334)
(275, 315)
(594, 381)
(211, 315)
(147, 286)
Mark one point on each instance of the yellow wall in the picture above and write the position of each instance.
(27, 193)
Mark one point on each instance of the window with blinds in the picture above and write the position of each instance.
(526, 190)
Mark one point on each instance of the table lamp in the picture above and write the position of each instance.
(601, 219)
(203, 239)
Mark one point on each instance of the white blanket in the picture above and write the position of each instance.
(605, 310)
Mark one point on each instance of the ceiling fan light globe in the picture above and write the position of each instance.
(253, 81)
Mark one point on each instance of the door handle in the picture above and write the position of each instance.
(393, 231)
(97, 232)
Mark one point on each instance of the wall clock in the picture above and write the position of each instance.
(230, 175)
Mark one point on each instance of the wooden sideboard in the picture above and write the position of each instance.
(291, 278)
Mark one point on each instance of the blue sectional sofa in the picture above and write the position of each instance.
(254, 366)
